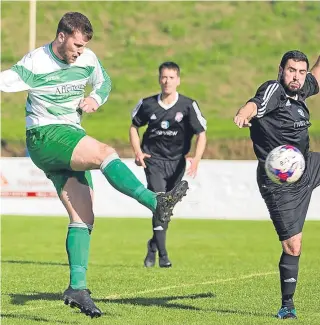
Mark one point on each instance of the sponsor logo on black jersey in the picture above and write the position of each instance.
(301, 124)
(165, 124)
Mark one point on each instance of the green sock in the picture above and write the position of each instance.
(77, 245)
(122, 179)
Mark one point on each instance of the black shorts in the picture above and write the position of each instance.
(163, 175)
(288, 203)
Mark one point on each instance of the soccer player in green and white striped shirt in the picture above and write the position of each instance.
(55, 77)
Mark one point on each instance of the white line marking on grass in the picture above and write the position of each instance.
(186, 285)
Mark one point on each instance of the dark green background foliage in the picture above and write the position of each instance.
(225, 50)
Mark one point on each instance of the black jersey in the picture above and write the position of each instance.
(170, 127)
(280, 119)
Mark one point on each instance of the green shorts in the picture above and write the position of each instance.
(50, 148)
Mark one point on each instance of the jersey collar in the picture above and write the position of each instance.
(296, 97)
(165, 106)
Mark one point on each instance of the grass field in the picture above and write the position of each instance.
(225, 49)
(224, 272)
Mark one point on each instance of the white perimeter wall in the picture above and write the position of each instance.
(221, 190)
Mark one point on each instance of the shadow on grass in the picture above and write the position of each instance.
(165, 302)
(239, 312)
(22, 299)
(66, 264)
(159, 301)
(34, 318)
(34, 262)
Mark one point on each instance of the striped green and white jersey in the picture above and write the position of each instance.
(54, 87)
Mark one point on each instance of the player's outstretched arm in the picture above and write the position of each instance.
(316, 70)
(19, 77)
(245, 114)
(11, 82)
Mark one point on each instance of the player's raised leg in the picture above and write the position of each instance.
(92, 154)
(77, 197)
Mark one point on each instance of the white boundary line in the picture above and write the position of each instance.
(186, 285)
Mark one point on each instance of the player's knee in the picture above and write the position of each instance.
(292, 248)
(157, 225)
(294, 251)
(106, 152)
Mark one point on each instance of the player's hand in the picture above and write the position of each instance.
(88, 105)
(241, 122)
(192, 166)
(140, 157)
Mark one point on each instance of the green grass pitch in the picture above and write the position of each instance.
(224, 272)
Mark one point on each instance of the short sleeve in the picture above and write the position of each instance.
(267, 98)
(138, 115)
(197, 121)
(310, 87)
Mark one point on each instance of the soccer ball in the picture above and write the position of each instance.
(285, 164)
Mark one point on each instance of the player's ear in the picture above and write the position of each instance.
(61, 37)
(280, 73)
(178, 81)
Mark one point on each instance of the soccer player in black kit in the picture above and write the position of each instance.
(278, 115)
(172, 119)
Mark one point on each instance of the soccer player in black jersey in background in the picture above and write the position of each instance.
(172, 119)
(278, 115)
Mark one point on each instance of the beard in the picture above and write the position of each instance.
(290, 92)
(62, 52)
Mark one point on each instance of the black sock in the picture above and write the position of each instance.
(288, 267)
(159, 236)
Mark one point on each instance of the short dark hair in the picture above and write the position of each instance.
(294, 55)
(169, 65)
(75, 21)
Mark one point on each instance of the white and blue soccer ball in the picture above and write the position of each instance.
(285, 164)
